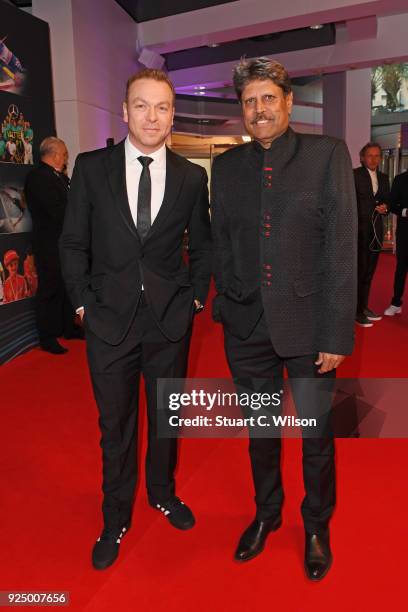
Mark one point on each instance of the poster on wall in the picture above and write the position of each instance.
(16, 132)
(26, 118)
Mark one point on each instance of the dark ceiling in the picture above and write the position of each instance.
(268, 44)
(20, 3)
(145, 10)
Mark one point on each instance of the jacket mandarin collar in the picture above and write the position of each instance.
(280, 151)
(277, 144)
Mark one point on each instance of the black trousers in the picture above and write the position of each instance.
(115, 373)
(54, 312)
(401, 269)
(367, 263)
(256, 358)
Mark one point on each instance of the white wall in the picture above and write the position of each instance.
(93, 48)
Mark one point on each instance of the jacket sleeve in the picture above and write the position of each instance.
(396, 198)
(200, 247)
(339, 265)
(221, 237)
(75, 241)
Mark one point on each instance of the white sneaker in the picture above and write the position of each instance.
(392, 310)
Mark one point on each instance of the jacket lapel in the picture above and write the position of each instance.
(116, 167)
(175, 173)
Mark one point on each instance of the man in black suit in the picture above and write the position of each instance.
(373, 193)
(399, 206)
(283, 214)
(122, 255)
(46, 191)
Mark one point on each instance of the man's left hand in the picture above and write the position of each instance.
(328, 362)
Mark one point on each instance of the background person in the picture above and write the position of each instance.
(399, 206)
(373, 194)
(46, 192)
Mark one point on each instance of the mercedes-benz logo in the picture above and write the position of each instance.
(13, 110)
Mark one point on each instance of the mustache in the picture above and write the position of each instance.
(261, 117)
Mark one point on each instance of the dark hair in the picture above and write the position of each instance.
(260, 68)
(369, 145)
(150, 73)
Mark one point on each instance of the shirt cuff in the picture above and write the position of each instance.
(78, 310)
(404, 212)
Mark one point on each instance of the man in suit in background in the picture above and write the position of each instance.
(122, 254)
(283, 215)
(46, 191)
(399, 206)
(373, 193)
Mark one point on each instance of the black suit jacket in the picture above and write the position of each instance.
(309, 297)
(367, 201)
(399, 201)
(104, 261)
(46, 192)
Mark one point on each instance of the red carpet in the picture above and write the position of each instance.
(49, 514)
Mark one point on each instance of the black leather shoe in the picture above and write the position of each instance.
(253, 539)
(318, 556)
(53, 346)
(106, 548)
(177, 513)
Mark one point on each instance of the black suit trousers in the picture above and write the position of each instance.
(367, 263)
(255, 357)
(115, 373)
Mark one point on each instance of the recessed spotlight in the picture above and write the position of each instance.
(199, 87)
(213, 45)
(317, 26)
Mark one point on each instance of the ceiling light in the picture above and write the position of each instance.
(213, 45)
(199, 87)
(246, 138)
(317, 26)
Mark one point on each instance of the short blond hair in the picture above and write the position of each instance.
(155, 75)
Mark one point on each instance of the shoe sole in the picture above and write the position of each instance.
(102, 566)
(365, 324)
(261, 549)
(393, 314)
(374, 318)
(323, 575)
(182, 528)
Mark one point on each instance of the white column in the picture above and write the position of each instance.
(59, 17)
(347, 108)
(93, 49)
